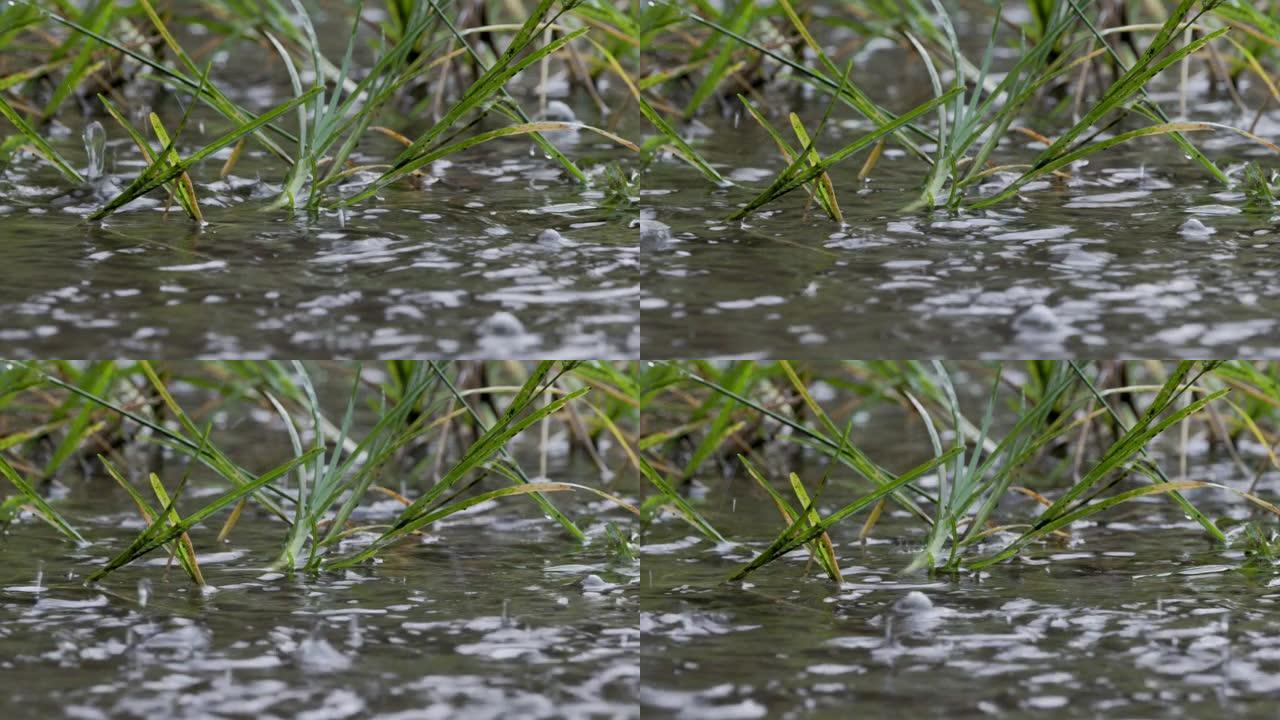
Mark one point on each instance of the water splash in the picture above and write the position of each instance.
(95, 147)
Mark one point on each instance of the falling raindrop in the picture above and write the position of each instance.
(355, 636)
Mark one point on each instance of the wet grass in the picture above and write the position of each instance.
(1079, 439)
(1078, 78)
(437, 437)
(465, 64)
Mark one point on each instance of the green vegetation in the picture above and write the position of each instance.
(1075, 77)
(456, 62)
(437, 429)
(1080, 438)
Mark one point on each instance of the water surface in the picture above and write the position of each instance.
(492, 614)
(1136, 616)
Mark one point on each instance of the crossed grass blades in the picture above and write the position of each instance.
(1101, 430)
(420, 409)
(84, 47)
(738, 57)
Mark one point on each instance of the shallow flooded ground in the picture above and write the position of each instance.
(492, 614)
(453, 269)
(1136, 616)
(1135, 257)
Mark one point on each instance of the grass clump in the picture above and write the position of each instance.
(439, 428)
(1079, 78)
(457, 63)
(1079, 439)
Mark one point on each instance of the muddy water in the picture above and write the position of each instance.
(493, 614)
(1136, 616)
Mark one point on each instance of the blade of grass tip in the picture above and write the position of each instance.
(788, 153)
(41, 145)
(44, 509)
(823, 186)
(785, 185)
(144, 184)
(232, 520)
(793, 168)
(788, 540)
(823, 549)
(685, 510)
(185, 551)
(158, 535)
(1162, 399)
(523, 397)
(516, 45)
(422, 521)
(789, 515)
(873, 517)
(183, 187)
(1083, 512)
